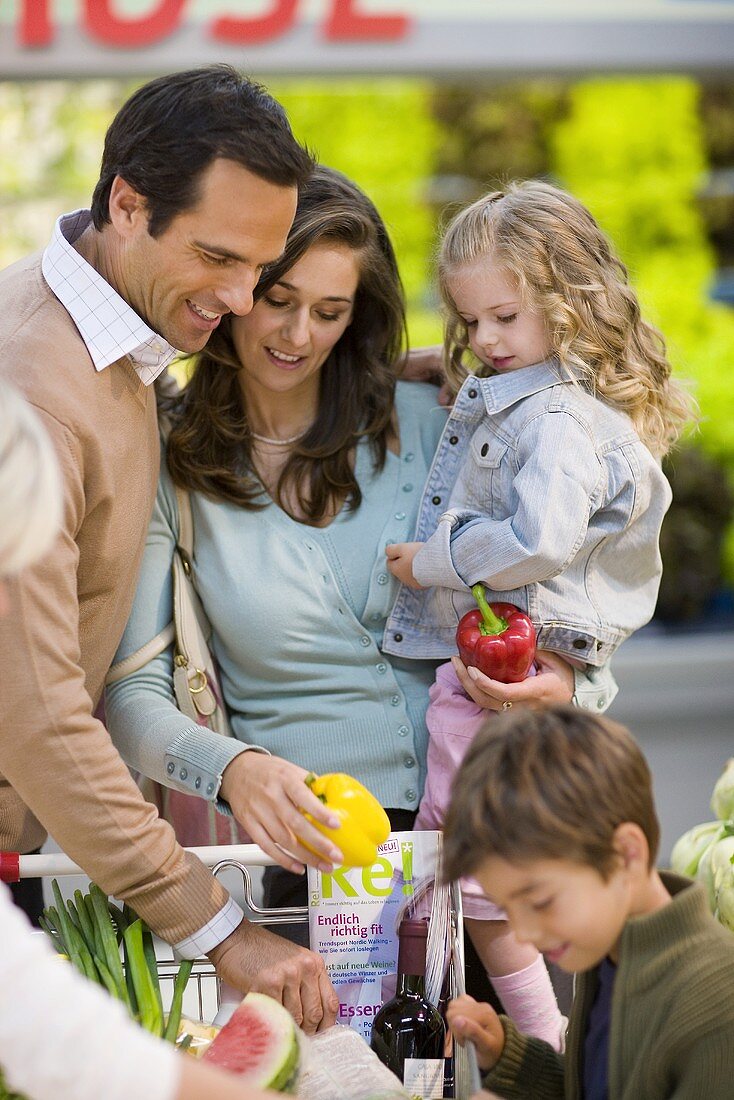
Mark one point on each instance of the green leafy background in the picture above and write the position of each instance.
(636, 151)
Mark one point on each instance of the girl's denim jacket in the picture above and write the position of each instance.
(548, 497)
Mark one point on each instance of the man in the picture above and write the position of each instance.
(197, 192)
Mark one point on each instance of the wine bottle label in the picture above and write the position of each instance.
(423, 1077)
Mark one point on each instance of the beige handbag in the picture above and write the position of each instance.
(197, 691)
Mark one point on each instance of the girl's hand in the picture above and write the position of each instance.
(553, 683)
(473, 1020)
(400, 561)
(266, 795)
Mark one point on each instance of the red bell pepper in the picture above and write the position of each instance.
(497, 638)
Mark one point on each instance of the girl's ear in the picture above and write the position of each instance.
(631, 844)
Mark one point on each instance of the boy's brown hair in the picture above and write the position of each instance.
(548, 784)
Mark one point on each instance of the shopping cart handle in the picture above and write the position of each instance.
(14, 866)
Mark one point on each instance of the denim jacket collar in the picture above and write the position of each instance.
(500, 391)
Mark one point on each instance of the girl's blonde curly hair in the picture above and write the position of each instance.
(566, 268)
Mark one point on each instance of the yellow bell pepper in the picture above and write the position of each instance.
(364, 823)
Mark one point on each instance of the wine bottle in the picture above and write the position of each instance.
(408, 1033)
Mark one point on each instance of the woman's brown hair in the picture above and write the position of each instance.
(210, 445)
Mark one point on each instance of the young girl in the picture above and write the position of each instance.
(546, 487)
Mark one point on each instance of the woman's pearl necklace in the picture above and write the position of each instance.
(277, 442)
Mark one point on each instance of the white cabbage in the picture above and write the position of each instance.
(689, 848)
(705, 875)
(725, 898)
(722, 857)
(722, 800)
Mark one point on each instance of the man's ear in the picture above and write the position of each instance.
(631, 844)
(128, 208)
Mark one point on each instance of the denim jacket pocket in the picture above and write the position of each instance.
(487, 449)
(488, 476)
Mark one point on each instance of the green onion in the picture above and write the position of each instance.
(174, 1016)
(148, 998)
(89, 931)
(110, 952)
(84, 920)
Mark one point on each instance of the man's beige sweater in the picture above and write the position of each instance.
(59, 772)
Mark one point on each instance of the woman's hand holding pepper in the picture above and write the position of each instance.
(553, 683)
(266, 795)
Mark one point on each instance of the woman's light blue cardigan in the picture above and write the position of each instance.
(297, 614)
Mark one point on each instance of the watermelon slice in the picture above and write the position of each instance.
(260, 1044)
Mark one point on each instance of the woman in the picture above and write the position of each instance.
(62, 1038)
(303, 459)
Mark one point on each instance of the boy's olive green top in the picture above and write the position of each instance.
(672, 1023)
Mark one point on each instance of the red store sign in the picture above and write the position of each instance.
(440, 38)
(343, 22)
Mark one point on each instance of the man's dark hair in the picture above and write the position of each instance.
(170, 130)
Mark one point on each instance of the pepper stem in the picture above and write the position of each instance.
(309, 781)
(491, 623)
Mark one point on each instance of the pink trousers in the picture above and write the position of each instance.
(453, 719)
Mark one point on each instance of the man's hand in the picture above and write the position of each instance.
(266, 795)
(426, 365)
(400, 561)
(478, 1022)
(254, 959)
(553, 683)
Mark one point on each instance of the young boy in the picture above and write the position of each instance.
(553, 813)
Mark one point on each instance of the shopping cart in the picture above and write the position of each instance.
(203, 997)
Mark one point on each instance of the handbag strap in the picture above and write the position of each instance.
(137, 660)
(185, 524)
(192, 663)
(190, 631)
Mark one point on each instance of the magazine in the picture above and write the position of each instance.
(354, 914)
